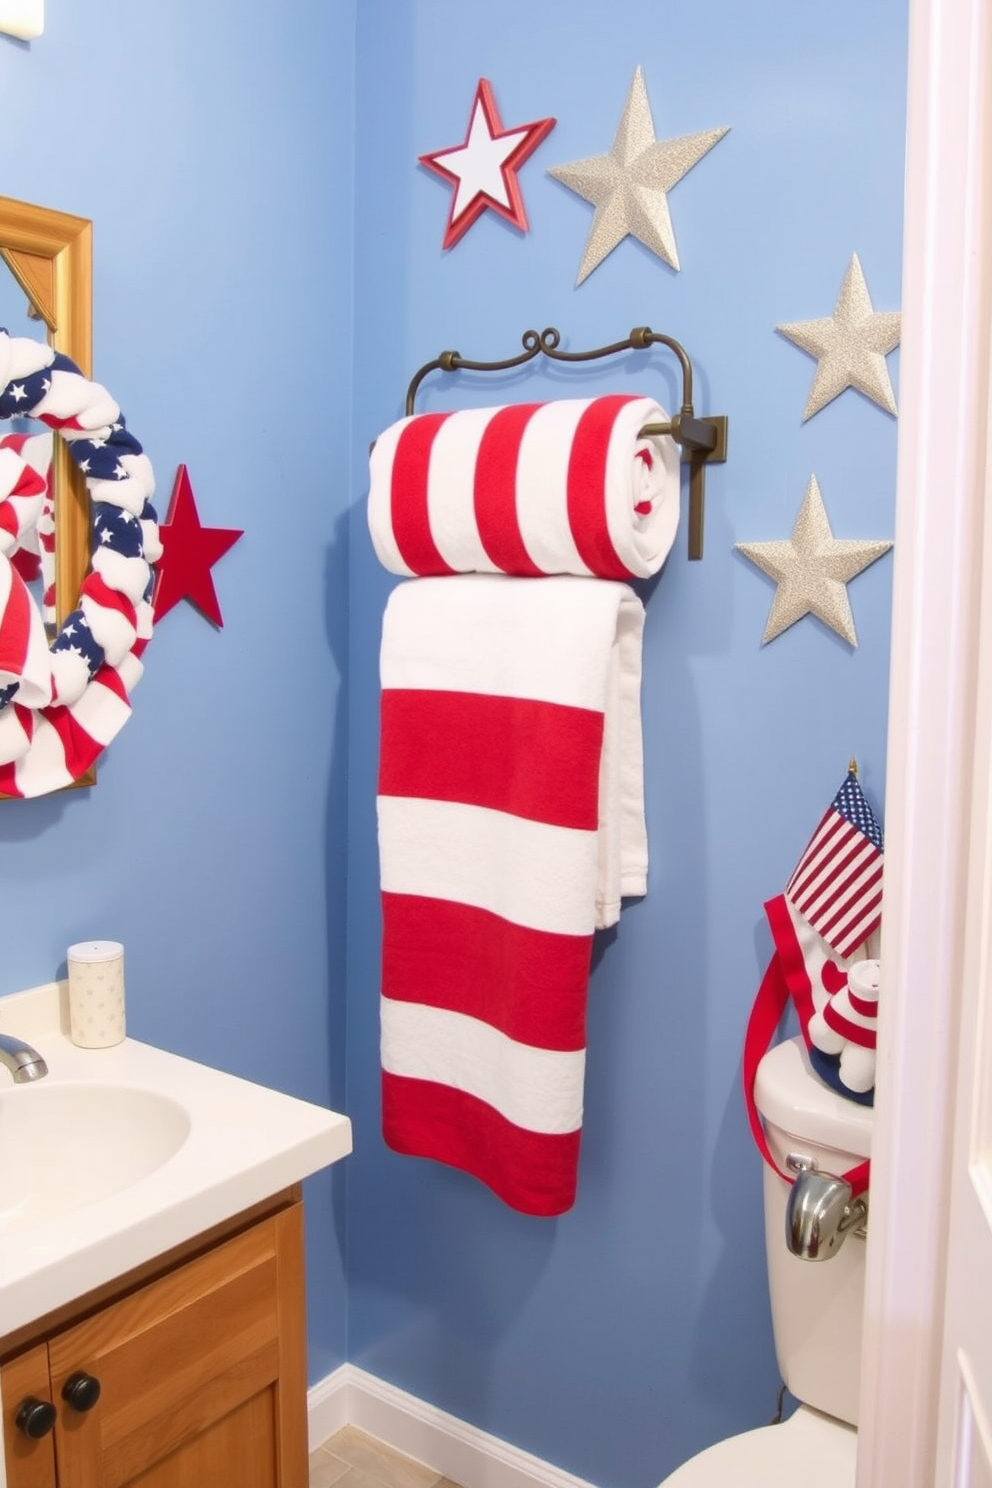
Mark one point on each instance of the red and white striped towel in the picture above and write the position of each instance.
(511, 823)
(530, 489)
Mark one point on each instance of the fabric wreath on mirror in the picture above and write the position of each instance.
(60, 705)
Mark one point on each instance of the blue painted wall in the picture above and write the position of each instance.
(631, 1332)
(211, 148)
(268, 275)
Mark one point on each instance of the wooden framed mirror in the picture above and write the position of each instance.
(50, 255)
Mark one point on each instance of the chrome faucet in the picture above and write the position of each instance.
(23, 1062)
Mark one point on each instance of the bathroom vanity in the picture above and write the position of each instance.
(192, 1373)
(152, 1312)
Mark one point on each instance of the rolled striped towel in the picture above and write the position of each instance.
(511, 824)
(531, 489)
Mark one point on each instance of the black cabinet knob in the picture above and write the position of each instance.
(35, 1417)
(81, 1391)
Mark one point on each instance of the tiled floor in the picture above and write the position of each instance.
(353, 1460)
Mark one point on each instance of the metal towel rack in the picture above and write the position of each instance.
(703, 440)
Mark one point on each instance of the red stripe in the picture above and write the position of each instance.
(408, 496)
(844, 888)
(533, 1172)
(530, 984)
(95, 588)
(862, 1005)
(15, 628)
(495, 491)
(855, 1033)
(534, 759)
(79, 748)
(28, 565)
(29, 483)
(819, 851)
(8, 781)
(861, 930)
(861, 873)
(54, 422)
(108, 676)
(792, 960)
(587, 486)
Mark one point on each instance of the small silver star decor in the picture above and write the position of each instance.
(628, 186)
(812, 570)
(850, 346)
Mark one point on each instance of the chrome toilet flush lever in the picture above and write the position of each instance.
(821, 1211)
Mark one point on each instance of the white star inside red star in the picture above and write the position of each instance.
(483, 170)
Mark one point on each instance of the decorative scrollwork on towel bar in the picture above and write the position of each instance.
(703, 440)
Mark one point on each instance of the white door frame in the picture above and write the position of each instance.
(947, 289)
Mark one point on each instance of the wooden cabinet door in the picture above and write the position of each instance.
(202, 1374)
(30, 1463)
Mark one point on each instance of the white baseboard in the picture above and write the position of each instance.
(352, 1397)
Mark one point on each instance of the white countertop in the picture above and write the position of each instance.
(244, 1143)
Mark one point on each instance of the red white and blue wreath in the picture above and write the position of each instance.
(61, 704)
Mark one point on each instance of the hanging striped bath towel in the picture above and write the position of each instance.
(511, 824)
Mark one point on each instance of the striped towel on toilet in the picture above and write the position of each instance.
(510, 801)
(510, 826)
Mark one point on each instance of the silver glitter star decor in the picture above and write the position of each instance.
(628, 186)
(812, 570)
(851, 346)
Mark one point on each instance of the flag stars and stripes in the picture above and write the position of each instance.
(17, 392)
(837, 884)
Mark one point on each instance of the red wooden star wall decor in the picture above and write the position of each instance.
(483, 170)
(190, 551)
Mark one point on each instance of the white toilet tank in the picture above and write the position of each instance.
(816, 1305)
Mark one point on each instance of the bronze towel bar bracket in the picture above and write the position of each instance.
(703, 441)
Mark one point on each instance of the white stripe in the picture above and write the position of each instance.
(542, 486)
(528, 872)
(850, 905)
(20, 357)
(451, 491)
(538, 1089)
(827, 882)
(130, 492)
(73, 396)
(14, 742)
(549, 639)
(832, 823)
(642, 542)
(380, 499)
(101, 712)
(43, 768)
(856, 927)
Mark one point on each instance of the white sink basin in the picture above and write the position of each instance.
(117, 1155)
(66, 1145)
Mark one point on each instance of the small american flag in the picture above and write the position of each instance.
(837, 885)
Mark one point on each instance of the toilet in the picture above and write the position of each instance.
(816, 1305)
